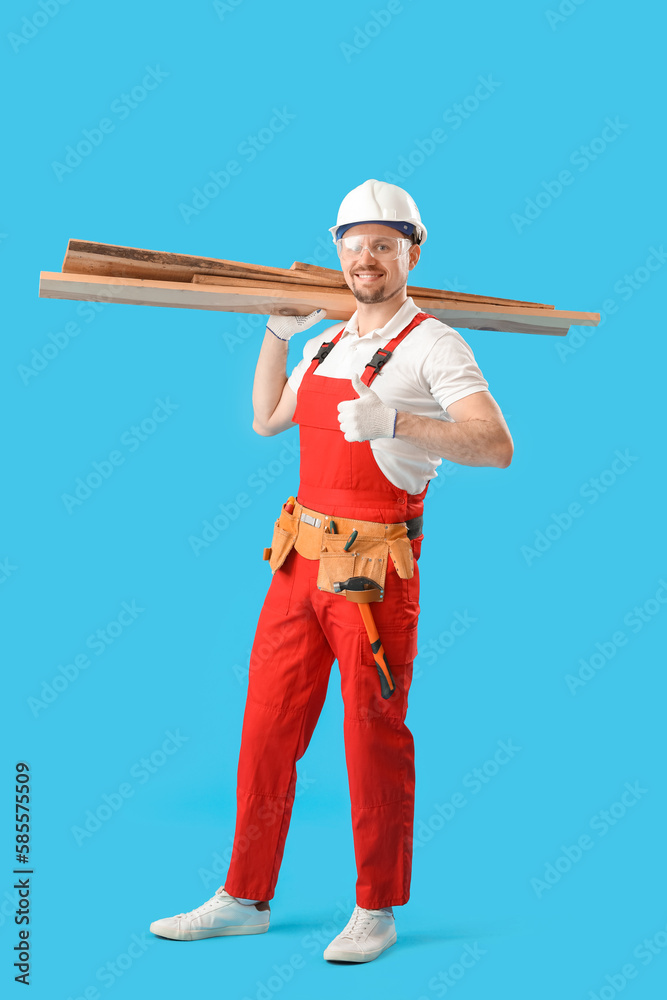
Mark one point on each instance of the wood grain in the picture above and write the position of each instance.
(268, 285)
(131, 262)
(413, 290)
(298, 300)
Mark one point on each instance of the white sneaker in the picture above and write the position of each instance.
(367, 934)
(221, 914)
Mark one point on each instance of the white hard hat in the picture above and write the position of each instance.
(383, 203)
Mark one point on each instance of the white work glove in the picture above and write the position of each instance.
(284, 327)
(365, 418)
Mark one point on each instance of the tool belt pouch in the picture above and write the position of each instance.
(402, 557)
(367, 556)
(284, 536)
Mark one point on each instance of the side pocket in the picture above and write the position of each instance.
(402, 557)
(400, 646)
(367, 556)
(281, 545)
(334, 568)
(284, 536)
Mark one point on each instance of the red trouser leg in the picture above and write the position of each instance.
(300, 631)
(289, 672)
(379, 747)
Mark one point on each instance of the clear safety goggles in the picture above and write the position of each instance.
(379, 247)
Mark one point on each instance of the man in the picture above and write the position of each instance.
(380, 401)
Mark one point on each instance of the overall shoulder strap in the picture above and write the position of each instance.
(383, 354)
(323, 350)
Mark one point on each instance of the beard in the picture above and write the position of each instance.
(370, 296)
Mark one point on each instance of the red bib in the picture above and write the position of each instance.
(338, 476)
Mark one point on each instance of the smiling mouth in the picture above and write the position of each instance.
(368, 275)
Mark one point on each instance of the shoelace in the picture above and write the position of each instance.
(357, 922)
(208, 905)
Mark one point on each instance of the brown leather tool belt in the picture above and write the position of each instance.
(317, 535)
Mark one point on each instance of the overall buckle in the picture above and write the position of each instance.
(379, 359)
(323, 351)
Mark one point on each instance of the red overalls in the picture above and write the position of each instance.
(301, 630)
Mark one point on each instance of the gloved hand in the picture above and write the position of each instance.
(365, 418)
(284, 327)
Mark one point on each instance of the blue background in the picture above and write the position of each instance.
(362, 100)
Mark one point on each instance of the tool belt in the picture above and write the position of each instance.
(316, 535)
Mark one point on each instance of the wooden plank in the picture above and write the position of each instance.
(413, 290)
(436, 293)
(339, 304)
(547, 322)
(506, 319)
(297, 289)
(187, 295)
(313, 270)
(319, 272)
(133, 262)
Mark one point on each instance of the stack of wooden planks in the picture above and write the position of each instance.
(102, 272)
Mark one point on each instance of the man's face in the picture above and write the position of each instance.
(376, 280)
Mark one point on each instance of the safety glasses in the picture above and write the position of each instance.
(379, 247)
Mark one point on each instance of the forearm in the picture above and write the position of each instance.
(270, 378)
(468, 442)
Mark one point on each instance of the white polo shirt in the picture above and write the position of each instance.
(428, 371)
